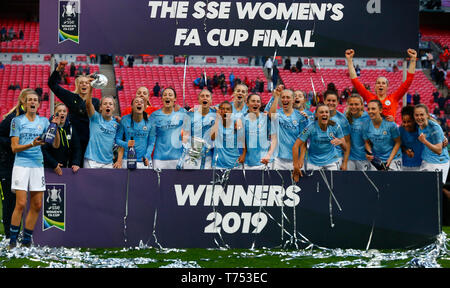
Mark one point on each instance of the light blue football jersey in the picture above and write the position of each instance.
(200, 126)
(340, 119)
(411, 141)
(434, 135)
(357, 151)
(102, 135)
(382, 139)
(140, 131)
(27, 130)
(227, 145)
(165, 134)
(321, 152)
(287, 129)
(258, 133)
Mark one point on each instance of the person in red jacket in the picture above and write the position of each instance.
(141, 92)
(390, 102)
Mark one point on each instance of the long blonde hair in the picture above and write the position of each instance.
(20, 101)
(77, 84)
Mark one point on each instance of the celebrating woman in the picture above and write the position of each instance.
(75, 101)
(260, 137)
(389, 102)
(382, 138)
(227, 134)
(289, 123)
(134, 131)
(434, 156)
(331, 99)
(202, 119)
(103, 129)
(28, 170)
(238, 105)
(411, 146)
(356, 117)
(69, 152)
(166, 132)
(300, 104)
(324, 136)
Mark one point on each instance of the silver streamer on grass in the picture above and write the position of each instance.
(376, 211)
(425, 257)
(223, 179)
(125, 237)
(158, 171)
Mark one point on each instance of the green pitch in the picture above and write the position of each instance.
(216, 258)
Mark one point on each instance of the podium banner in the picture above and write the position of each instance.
(199, 209)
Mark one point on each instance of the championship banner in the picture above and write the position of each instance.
(374, 28)
(237, 209)
(54, 207)
(68, 20)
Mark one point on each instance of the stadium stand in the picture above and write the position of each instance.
(148, 75)
(30, 76)
(439, 36)
(30, 41)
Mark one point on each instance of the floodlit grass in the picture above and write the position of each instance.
(209, 258)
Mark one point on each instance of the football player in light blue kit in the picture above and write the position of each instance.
(228, 137)
(382, 138)
(201, 121)
(137, 126)
(434, 156)
(289, 122)
(324, 135)
(260, 137)
(356, 117)
(331, 99)
(238, 105)
(300, 104)
(102, 133)
(166, 132)
(411, 146)
(28, 169)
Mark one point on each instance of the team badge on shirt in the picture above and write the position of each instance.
(385, 132)
(144, 128)
(331, 135)
(388, 103)
(295, 122)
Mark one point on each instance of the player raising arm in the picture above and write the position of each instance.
(389, 102)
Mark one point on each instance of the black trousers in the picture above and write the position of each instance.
(8, 202)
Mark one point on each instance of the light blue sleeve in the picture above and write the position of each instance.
(151, 137)
(187, 122)
(364, 129)
(338, 131)
(269, 104)
(345, 126)
(394, 131)
(306, 132)
(14, 129)
(95, 117)
(437, 135)
(120, 134)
